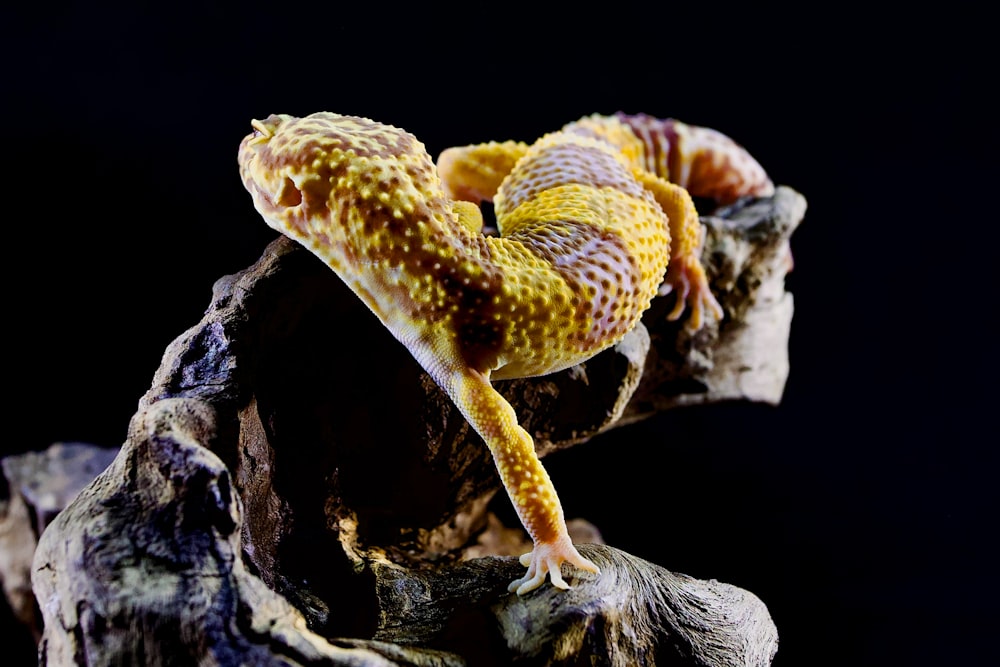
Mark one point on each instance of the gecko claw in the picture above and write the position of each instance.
(546, 559)
(686, 277)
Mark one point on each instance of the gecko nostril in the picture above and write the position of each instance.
(289, 195)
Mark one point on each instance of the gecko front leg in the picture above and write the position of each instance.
(523, 476)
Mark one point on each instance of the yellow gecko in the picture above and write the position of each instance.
(587, 225)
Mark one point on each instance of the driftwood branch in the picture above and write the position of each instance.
(634, 613)
(295, 490)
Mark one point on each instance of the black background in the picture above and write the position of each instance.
(861, 511)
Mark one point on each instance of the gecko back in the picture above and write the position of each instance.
(582, 248)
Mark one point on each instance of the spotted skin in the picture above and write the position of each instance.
(670, 159)
(585, 238)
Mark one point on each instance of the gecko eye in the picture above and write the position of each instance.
(260, 129)
(289, 195)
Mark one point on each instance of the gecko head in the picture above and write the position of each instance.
(280, 164)
(311, 176)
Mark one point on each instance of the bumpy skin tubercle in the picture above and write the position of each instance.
(584, 244)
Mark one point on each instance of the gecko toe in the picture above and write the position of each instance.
(545, 561)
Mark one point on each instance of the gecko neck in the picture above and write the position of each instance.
(407, 266)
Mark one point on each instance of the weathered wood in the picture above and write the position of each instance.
(634, 613)
(292, 477)
(36, 487)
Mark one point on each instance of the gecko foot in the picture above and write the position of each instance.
(545, 559)
(686, 277)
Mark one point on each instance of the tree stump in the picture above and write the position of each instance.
(295, 490)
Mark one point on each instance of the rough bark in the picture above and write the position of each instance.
(292, 477)
(35, 487)
(634, 613)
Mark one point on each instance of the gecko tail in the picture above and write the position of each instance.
(705, 162)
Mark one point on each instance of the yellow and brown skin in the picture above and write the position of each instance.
(585, 238)
(671, 159)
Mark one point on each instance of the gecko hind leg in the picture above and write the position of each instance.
(686, 276)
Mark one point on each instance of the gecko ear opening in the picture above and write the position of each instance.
(290, 195)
